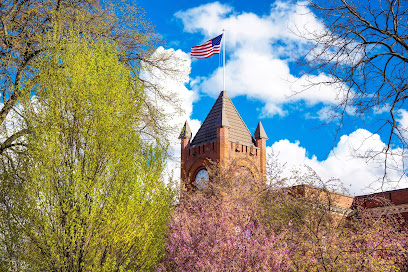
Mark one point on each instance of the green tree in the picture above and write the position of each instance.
(24, 23)
(24, 26)
(92, 197)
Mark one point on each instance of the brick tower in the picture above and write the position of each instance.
(222, 137)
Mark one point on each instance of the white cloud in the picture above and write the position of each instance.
(258, 64)
(13, 122)
(351, 161)
(284, 22)
(403, 123)
(171, 80)
(380, 109)
(325, 114)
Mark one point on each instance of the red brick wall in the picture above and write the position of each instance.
(337, 199)
(195, 158)
(395, 197)
(223, 151)
(398, 198)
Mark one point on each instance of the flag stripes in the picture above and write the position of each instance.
(207, 49)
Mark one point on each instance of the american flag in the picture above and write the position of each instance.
(207, 49)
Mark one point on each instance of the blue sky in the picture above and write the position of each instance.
(261, 77)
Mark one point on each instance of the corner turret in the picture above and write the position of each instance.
(260, 140)
(185, 132)
(260, 132)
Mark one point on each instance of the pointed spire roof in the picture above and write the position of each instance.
(222, 120)
(185, 132)
(260, 132)
(223, 113)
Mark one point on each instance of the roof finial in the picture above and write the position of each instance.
(224, 94)
(260, 132)
(185, 132)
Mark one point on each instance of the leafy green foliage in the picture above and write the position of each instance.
(94, 199)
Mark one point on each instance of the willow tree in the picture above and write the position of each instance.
(92, 198)
(24, 23)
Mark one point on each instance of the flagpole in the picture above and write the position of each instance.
(223, 56)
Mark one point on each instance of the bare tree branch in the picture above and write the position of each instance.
(364, 48)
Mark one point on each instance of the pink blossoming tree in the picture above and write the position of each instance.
(239, 223)
(220, 228)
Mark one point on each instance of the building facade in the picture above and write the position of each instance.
(386, 203)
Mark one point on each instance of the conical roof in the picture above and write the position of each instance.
(223, 113)
(260, 132)
(185, 132)
(222, 120)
